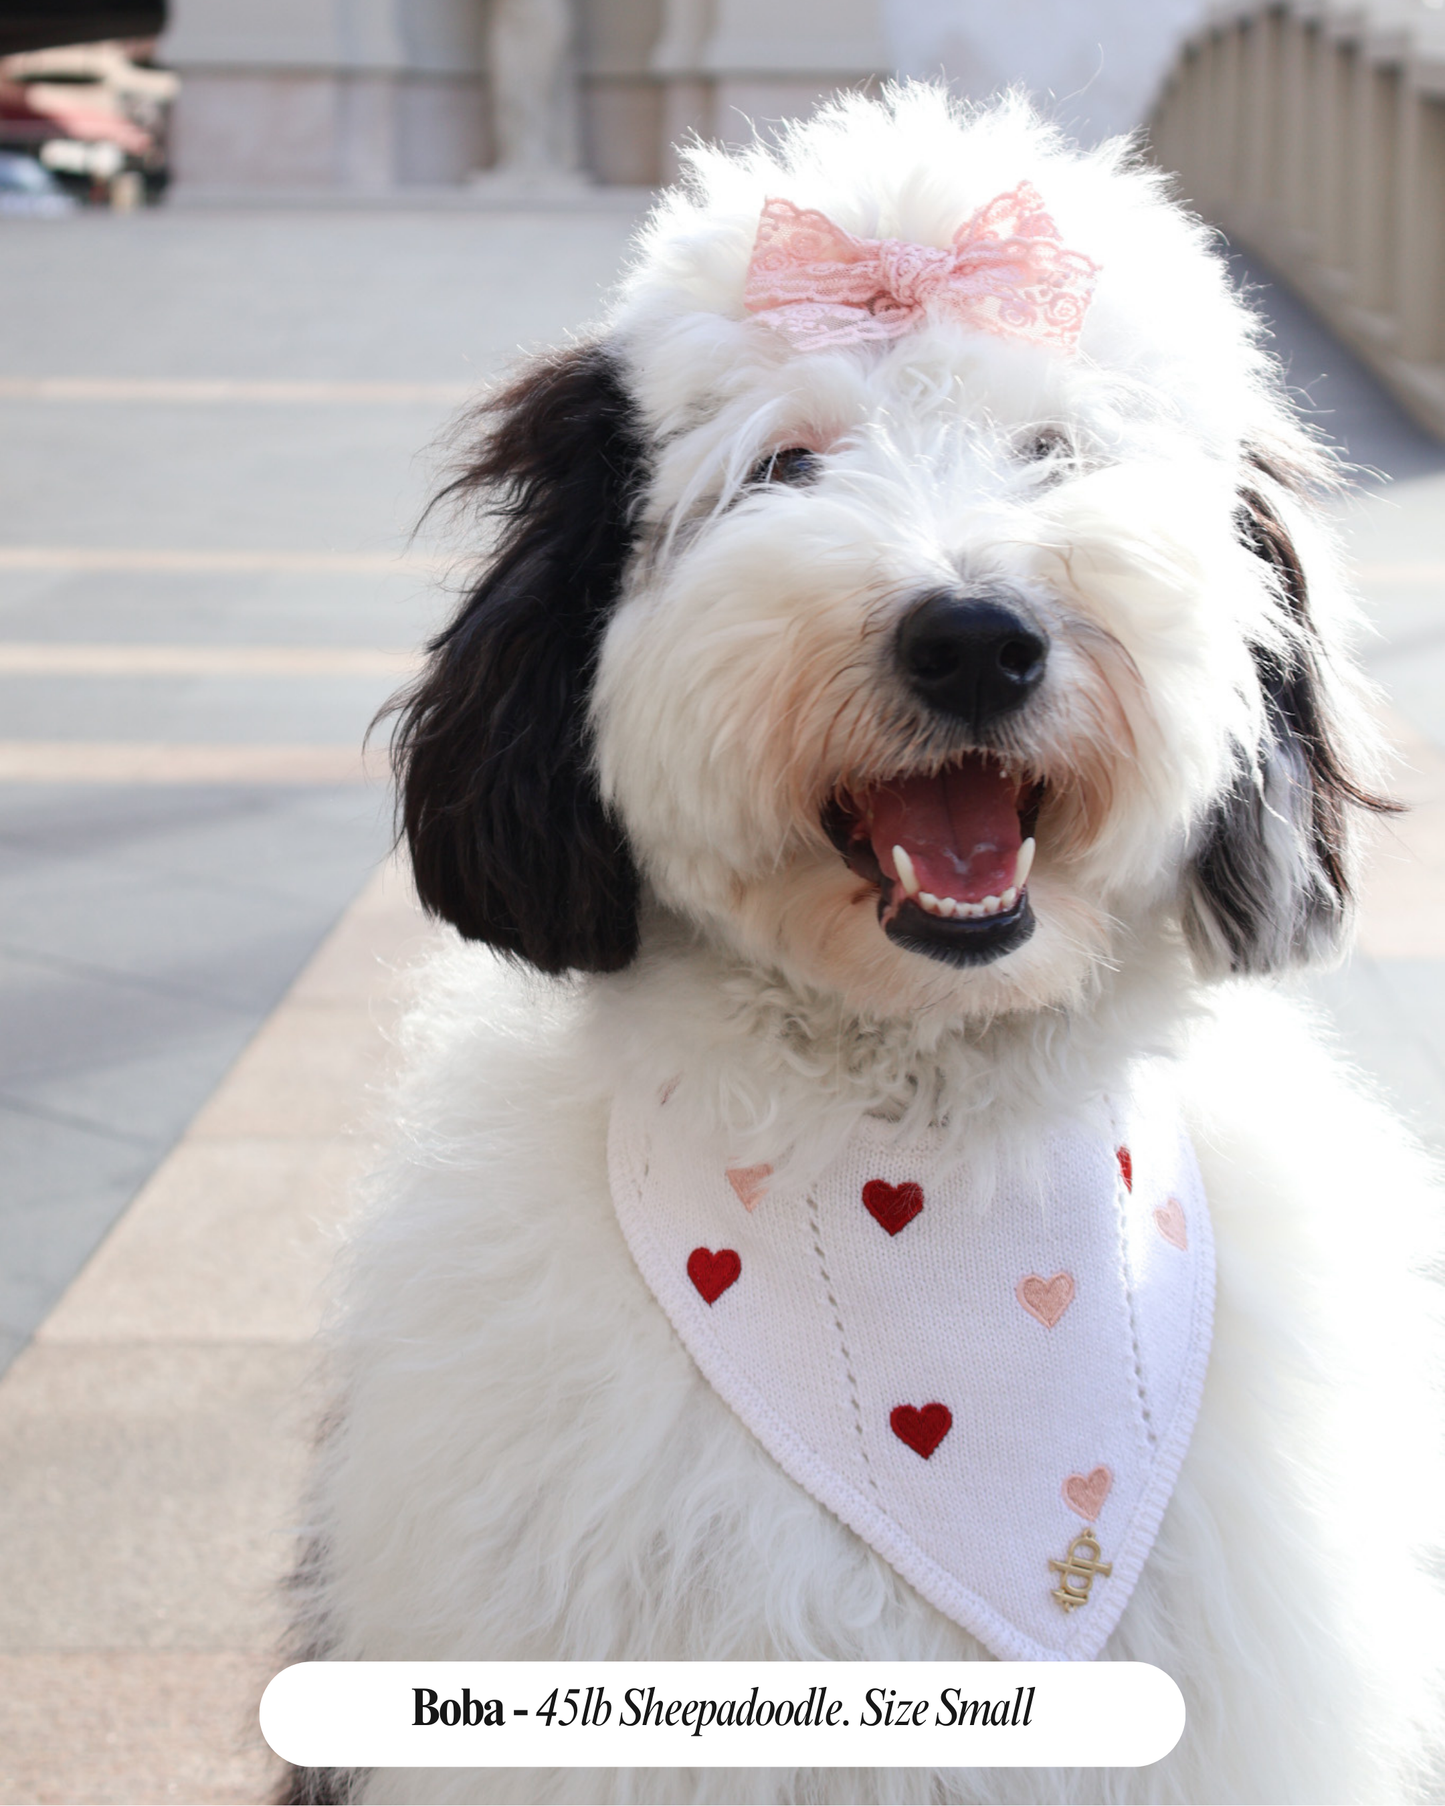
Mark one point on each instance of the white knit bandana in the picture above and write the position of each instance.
(997, 1393)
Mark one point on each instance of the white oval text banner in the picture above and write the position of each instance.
(722, 1714)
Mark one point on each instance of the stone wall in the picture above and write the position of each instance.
(1314, 134)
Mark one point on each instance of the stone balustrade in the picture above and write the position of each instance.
(1313, 133)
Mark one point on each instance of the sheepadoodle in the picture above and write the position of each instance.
(882, 1204)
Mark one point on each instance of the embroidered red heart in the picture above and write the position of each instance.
(1126, 1167)
(1169, 1221)
(1045, 1299)
(921, 1430)
(1085, 1493)
(750, 1183)
(711, 1273)
(894, 1206)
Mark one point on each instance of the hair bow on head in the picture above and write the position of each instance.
(1007, 272)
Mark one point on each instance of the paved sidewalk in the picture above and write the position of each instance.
(214, 441)
(216, 432)
(153, 1436)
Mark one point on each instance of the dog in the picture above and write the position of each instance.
(901, 731)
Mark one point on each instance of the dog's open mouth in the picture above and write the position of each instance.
(950, 853)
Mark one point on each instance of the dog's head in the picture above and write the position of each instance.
(938, 660)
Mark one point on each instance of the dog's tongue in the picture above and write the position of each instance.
(960, 829)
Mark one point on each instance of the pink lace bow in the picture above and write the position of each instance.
(1007, 272)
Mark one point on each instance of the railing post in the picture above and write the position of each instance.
(1228, 119)
(1422, 184)
(1294, 138)
(1377, 189)
(1338, 163)
(1315, 141)
(1259, 208)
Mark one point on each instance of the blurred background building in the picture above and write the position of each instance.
(306, 99)
(382, 94)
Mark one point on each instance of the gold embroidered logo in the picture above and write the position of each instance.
(1077, 1570)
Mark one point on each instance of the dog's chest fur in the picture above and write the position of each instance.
(545, 1473)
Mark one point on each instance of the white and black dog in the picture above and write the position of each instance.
(906, 714)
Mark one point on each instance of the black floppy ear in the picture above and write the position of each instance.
(509, 837)
(1269, 885)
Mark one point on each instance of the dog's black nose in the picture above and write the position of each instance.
(975, 656)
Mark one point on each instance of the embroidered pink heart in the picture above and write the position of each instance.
(750, 1183)
(1085, 1493)
(1169, 1221)
(894, 1206)
(1045, 1299)
(922, 1430)
(711, 1273)
(1126, 1166)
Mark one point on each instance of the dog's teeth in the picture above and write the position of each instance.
(1025, 864)
(947, 906)
(990, 906)
(1009, 898)
(969, 909)
(907, 877)
(928, 901)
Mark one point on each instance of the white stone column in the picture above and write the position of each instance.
(534, 99)
(677, 59)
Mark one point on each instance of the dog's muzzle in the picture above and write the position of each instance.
(950, 848)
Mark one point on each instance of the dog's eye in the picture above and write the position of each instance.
(1049, 442)
(795, 464)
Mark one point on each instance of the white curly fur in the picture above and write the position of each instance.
(525, 1462)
